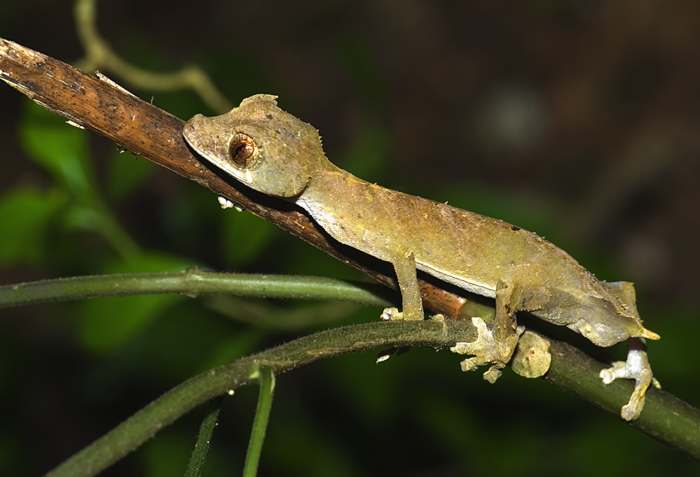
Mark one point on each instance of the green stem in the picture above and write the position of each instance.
(666, 418)
(160, 413)
(192, 282)
(672, 420)
(262, 415)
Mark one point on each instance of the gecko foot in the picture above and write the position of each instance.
(390, 314)
(393, 314)
(636, 367)
(487, 349)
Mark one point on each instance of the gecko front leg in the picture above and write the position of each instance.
(636, 367)
(406, 276)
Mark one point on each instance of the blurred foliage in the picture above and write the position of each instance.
(76, 206)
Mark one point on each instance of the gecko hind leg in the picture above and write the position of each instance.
(494, 346)
(487, 349)
(636, 367)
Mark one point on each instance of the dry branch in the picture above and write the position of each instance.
(98, 104)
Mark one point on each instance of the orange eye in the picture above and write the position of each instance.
(241, 150)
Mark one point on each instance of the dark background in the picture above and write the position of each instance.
(574, 119)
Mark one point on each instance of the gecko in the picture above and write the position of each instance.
(273, 152)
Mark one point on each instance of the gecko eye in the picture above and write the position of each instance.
(241, 150)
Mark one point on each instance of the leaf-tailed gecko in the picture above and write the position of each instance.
(279, 155)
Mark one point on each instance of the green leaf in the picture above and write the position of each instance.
(126, 173)
(106, 323)
(63, 152)
(60, 149)
(25, 215)
(206, 430)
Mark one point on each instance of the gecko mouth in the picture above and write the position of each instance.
(598, 333)
(649, 334)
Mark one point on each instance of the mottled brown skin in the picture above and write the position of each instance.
(277, 154)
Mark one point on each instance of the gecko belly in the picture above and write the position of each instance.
(473, 286)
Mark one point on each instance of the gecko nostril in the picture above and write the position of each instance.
(242, 150)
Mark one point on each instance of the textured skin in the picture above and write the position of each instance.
(277, 154)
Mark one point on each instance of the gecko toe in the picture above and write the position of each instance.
(391, 314)
(486, 349)
(637, 368)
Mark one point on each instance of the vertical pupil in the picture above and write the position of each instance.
(242, 150)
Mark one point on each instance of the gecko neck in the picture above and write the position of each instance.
(317, 192)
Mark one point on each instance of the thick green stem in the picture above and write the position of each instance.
(666, 418)
(163, 411)
(192, 282)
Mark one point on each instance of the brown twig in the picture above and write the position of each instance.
(100, 105)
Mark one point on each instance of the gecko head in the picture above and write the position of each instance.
(606, 325)
(260, 145)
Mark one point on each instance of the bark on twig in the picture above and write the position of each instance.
(100, 105)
